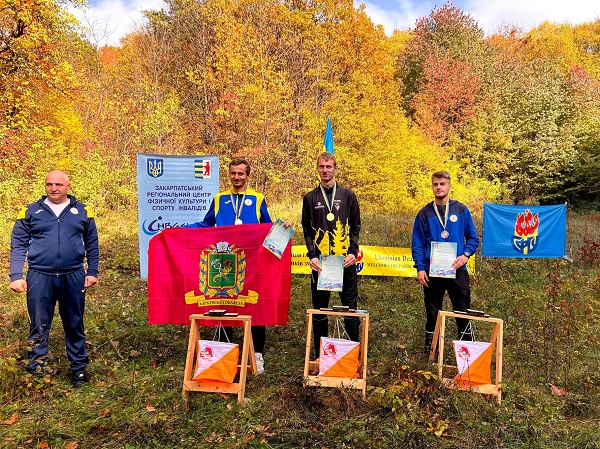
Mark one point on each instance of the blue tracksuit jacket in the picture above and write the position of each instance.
(427, 228)
(51, 244)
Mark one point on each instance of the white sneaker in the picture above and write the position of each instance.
(260, 362)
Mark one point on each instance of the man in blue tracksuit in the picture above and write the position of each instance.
(239, 205)
(444, 220)
(55, 235)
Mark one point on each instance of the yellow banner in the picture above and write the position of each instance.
(375, 261)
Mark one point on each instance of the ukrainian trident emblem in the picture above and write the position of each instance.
(155, 167)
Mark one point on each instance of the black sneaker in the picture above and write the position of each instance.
(428, 343)
(78, 378)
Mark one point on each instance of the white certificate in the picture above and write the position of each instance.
(443, 255)
(331, 276)
(278, 238)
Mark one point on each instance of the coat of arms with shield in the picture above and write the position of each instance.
(222, 269)
(221, 278)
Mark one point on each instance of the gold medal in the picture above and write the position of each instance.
(445, 234)
(329, 216)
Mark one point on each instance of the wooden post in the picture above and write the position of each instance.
(238, 387)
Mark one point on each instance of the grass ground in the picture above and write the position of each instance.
(551, 313)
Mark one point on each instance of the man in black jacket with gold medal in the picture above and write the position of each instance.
(331, 225)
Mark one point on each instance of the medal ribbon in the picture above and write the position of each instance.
(437, 212)
(237, 209)
(329, 205)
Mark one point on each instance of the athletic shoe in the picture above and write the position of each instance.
(78, 378)
(260, 362)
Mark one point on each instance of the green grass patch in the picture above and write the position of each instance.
(551, 313)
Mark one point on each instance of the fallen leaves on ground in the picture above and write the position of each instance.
(556, 391)
(11, 420)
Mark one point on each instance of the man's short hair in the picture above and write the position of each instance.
(240, 161)
(328, 157)
(441, 174)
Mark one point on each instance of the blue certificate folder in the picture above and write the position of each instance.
(443, 255)
(278, 237)
(331, 276)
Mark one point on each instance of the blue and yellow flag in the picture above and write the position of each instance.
(328, 142)
(524, 231)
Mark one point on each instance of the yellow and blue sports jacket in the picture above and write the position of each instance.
(54, 245)
(222, 211)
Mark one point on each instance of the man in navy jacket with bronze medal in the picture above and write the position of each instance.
(444, 220)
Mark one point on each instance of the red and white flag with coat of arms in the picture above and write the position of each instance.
(225, 267)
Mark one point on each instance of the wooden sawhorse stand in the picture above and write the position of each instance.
(494, 389)
(360, 382)
(212, 386)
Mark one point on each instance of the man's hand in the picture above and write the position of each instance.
(349, 260)
(460, 261)
(422, 278)
(90, 281)
(18, 286)
(314, 264)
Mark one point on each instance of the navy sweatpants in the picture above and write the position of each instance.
(43, 292)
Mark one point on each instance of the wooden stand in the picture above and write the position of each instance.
(213, 386)
(494, 389)
(360, 382)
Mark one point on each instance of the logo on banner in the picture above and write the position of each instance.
(359, 263)
(221, 278)
(202, 169)
(525, 239)
(155, 167)
(155, 225)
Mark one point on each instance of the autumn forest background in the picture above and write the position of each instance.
(513, 116)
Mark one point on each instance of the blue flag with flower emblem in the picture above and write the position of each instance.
(524, 231)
